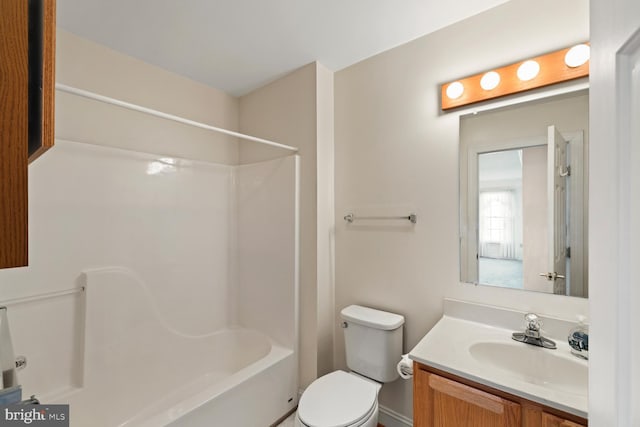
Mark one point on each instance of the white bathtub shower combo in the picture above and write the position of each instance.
(161, 291)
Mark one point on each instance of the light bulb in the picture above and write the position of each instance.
(577, 55)
(490, 80)
(528, 70)
(455, 90)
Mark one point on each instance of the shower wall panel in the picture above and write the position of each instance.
(267, 247)
(166, 219)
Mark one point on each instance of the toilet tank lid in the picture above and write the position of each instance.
(372, 318)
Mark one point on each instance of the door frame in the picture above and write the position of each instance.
(614, 216)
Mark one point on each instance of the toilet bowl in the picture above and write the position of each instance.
(339, 399)
(373, 345)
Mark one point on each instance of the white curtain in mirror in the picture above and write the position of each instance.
(497, 231)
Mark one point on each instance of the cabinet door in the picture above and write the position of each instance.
(27, 88)
(549, 420)
(440, 402)
(14, 89)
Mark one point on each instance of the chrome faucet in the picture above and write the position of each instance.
(531, 334)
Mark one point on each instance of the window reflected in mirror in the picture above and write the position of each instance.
(500, 218)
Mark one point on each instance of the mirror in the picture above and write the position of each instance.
(523, 196)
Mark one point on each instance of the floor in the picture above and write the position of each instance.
(500, 272)
(288, 422)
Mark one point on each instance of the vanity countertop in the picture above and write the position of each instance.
(485, 353)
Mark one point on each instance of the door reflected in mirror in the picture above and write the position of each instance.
(523, 185)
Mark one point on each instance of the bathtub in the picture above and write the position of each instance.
(138, 371)
(155, 296)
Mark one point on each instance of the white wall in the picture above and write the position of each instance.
(395, 147)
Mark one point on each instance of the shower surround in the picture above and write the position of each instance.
(160, 290)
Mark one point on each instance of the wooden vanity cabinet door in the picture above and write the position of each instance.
(440, 402)
(549, 420)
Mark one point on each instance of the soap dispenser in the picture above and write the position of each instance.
(579, 339)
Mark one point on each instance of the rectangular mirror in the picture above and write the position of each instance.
(523, 196)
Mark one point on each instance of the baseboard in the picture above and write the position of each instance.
(390, 418)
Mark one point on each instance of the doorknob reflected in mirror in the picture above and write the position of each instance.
(552, 276)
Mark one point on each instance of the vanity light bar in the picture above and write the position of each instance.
(555, 67)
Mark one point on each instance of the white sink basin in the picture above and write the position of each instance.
(466, 346)
(534, 365)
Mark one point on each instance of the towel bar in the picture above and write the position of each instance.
(411, 217)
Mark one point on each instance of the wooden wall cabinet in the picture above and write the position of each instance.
(441, 399)
(27, 92)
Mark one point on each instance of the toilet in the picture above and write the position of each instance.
(373, 347)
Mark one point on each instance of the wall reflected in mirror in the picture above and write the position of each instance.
(523, 196)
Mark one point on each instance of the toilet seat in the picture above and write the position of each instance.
(370, 420)
(338, 399)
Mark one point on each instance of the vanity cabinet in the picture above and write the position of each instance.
(442, 402)
(27, 85)
(549, 420)
(441, 399)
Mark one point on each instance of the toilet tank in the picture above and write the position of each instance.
(373, 341)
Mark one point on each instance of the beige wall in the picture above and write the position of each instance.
(567, 112)
(297, 110)
(93, 67)
(393, 146)
(325, 219)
